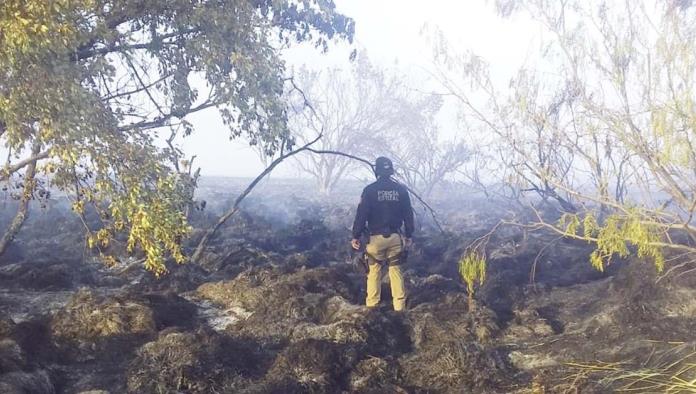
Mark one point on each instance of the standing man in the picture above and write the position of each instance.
(384, 207)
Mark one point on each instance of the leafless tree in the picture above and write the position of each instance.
(361, 111)
(608, 132)
(523, 130)
(423, 158)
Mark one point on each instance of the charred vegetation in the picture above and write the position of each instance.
(274, 305)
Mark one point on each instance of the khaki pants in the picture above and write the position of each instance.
(384, 250)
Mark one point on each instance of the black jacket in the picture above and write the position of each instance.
(384, 206)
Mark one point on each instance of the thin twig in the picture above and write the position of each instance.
(676, 267)
(532, 272)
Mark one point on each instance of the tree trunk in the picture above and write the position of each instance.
(22, 211)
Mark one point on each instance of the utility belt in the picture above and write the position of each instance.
(363, 260)
(395, 260)
(386, 233)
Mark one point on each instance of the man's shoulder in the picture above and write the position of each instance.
(390, 184)
(399, 186)
(371, 186)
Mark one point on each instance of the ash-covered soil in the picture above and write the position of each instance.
(275, 307)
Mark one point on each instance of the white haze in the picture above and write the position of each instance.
(394, 35)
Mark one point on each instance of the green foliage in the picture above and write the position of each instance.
(569, 223)
(618, 234)
(613, 127)
(589, 226)
(472, 269)
(95, 82)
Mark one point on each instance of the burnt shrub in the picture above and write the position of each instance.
(199, 362)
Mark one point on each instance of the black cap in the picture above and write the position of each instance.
(383, 167)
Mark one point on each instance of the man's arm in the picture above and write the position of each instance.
(360, 216)
(408, 216)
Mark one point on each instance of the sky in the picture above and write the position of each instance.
(393, 33)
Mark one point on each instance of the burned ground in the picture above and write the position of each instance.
(274, 306)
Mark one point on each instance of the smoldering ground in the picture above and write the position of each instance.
(275, 306)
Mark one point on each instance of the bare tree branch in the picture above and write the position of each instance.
(27, 194)
(8, 170)
(235, 207)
